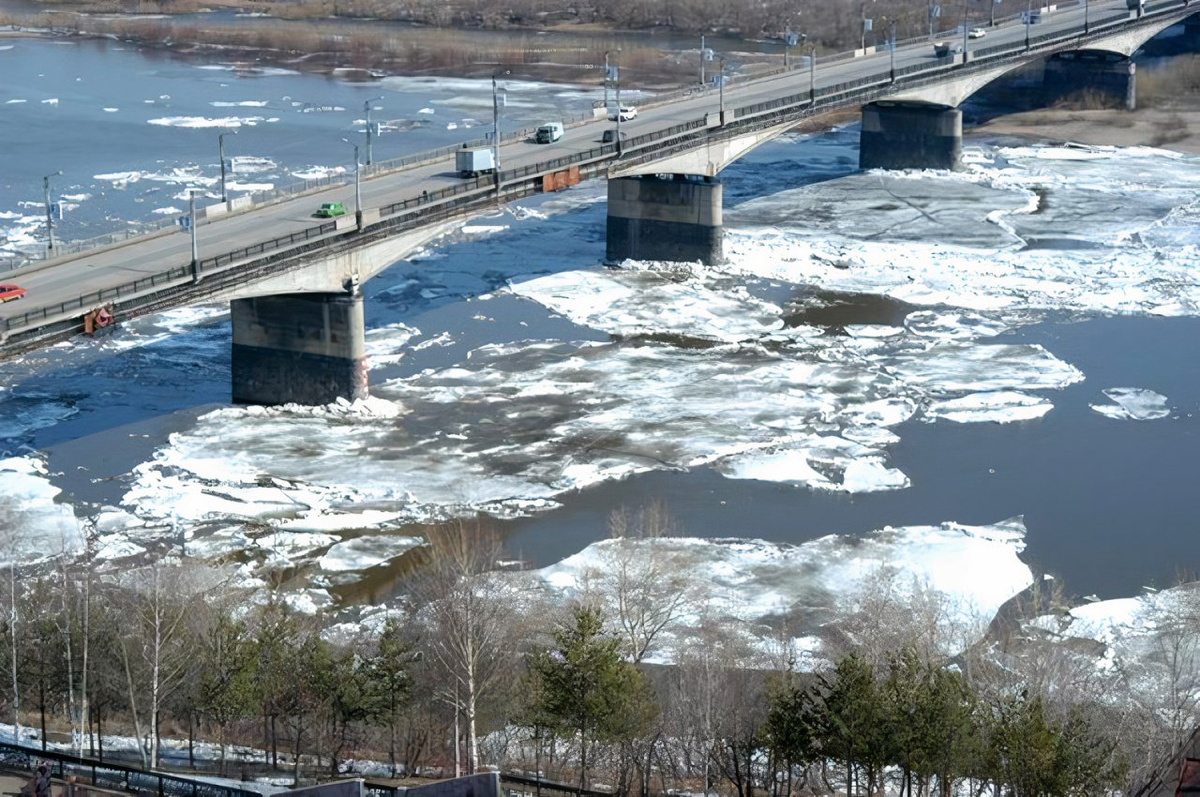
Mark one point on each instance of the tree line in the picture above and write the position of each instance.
(632, 682)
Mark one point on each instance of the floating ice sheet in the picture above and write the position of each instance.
(1004, 406)
(1133, 403)
(977, 568)
(32, 525)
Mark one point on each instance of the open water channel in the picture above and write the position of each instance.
(1017, 340)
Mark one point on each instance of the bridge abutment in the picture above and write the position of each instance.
(301, 348)
(1091, 77)
(910, 135)
(675, 218)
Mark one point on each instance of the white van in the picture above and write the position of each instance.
(549, 133)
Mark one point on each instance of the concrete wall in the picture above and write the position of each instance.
(485, 784)
(910, 135)
(673, 218)
(341, 788)
(1091, 74)
(298, 348)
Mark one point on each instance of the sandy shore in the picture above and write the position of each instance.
(1174, 129)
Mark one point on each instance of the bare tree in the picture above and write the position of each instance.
(154, 653)
(642, 580)
(469, 614)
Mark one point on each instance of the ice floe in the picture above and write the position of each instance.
(362, 553)
(808, 587)
(28, 506)
(1133, 403)
(1003, 406)
(196, 122)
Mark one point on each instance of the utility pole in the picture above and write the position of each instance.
(992, 15)
(703, 56)
(606, 78)
(812, 73)
(617, 89)
(358, 214)
(1085, 17)
(966, 23)
(721, 87)
(496, 129)
(892, 49)
(1028, 19)
(49, 213)
(862, 42)
(367, 108)
(221, 156)
(192, 229)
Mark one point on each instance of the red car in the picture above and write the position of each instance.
(10, 292)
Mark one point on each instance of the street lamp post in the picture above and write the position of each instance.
(812, 73)
(862, 42)
(358, 215)
(892, 49)
(49, 214)
(721, 88)
(703, 53)
(221, 155)
(966, 32)
(496, 130)
(367, 108)
(1028, 19)
(606, 78)
(617, 90)
(192, 230)
(992, 13)
(1085, 16)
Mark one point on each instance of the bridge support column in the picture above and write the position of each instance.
(302, 348)
(675, 218)
(1091, 77)
(910, 135)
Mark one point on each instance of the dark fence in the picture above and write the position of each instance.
(114, 776)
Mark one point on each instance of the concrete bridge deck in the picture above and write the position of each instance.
(280, 248)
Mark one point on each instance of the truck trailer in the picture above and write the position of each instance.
(474, 162)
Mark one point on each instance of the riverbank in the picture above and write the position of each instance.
(1166, 128)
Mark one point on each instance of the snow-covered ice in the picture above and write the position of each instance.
(1133, 403)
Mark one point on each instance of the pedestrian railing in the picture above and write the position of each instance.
(115, 776)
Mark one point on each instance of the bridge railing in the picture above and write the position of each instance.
(451, 198)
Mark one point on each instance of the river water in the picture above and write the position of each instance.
(996, 364)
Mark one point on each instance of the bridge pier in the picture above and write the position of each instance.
(675, 218)
(1091, 76)
(301, 348)
(900, 134)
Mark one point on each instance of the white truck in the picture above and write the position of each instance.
(474, 162)
(549, 133)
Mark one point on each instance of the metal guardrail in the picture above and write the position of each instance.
(456, 199)
(116, 776)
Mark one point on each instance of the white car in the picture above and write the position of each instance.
(976, 33)
(625, 112)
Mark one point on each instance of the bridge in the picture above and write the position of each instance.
(293, 281)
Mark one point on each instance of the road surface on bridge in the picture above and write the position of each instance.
(68, 278)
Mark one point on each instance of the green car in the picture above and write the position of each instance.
(330, 209)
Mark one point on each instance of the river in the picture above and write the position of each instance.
(880, 351)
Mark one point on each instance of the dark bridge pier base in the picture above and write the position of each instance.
(675, 218)
(298, 348)
(910, 135)
(1091, 77)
